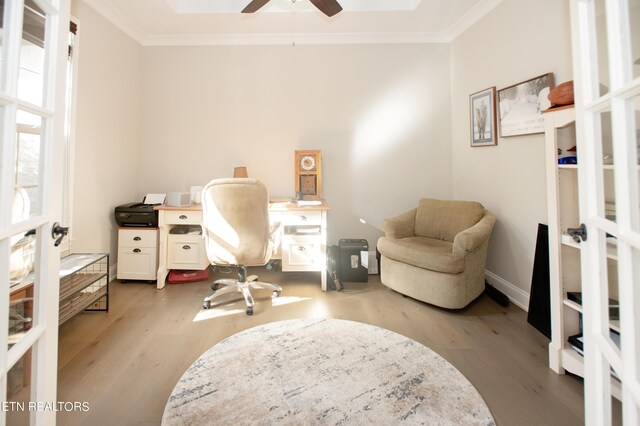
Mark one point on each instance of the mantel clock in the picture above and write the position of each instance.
(308, 174)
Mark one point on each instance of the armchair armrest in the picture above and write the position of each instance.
(400, 226)
(474, 237)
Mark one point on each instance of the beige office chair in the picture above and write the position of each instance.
(236, 230)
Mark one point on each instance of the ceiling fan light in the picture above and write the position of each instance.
(328, 7)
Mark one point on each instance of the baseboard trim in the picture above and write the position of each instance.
(518, 296)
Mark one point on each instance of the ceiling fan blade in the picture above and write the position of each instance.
(254, 5)
(328, 7)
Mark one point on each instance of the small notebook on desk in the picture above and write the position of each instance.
(309, 202)
(280, 201)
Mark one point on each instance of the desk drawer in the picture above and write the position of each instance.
(133, 237)
(186, 252)
(302, 253)
(302, 218)
(137, 263)
(180, 217)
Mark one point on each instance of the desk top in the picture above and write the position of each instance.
(275, 205)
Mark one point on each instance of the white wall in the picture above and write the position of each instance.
(518, 40)
(107, 130)
(379, 113)
(391, 120)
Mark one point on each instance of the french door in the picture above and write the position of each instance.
(606, 62)
(33, 56)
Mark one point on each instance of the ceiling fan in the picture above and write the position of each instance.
(328, 7)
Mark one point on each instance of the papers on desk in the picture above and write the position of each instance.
(279, 201)
(311, 231)
(309, 202)
(154, 199)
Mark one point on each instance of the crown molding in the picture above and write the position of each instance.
(113, 15)
(291, 38)
(474, 14)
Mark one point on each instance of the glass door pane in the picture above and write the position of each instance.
(21, 290)
(31, 72)
(1, 35)
(634, 16)
(19, 405)
(29, 164)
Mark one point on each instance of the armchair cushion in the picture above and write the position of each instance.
(444, 219)
(422, 252)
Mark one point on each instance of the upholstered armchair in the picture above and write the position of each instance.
(436, 252)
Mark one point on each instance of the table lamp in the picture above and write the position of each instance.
(240, 172)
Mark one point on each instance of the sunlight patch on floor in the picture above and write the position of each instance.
(287, 300)
(320, 310)
(223, 311)
(216, 312)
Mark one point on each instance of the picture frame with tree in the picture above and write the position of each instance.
(482, 111)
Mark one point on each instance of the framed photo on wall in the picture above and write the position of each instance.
(521, 106)
(482, 111)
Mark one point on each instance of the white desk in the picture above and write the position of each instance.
(303, 239)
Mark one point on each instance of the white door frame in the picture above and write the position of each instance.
(42, 338)
(601, 353)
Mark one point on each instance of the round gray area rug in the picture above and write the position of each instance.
(323, 371)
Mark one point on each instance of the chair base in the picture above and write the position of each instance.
(242, 285)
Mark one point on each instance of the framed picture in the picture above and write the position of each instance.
(521, 106)
(482, 111)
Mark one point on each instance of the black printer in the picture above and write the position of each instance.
(136, 214)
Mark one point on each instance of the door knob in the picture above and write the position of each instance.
(578, 233)
(58, 232)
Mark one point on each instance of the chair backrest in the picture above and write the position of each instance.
(235, 220)
(444, 219)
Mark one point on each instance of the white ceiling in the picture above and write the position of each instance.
(213, 22)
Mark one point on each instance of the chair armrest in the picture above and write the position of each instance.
(400, 226)
(472, 238)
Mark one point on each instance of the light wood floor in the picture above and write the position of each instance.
(126, 363)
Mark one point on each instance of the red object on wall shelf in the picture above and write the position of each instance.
(562, 94)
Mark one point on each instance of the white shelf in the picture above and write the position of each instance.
(561, 117)
(612, 250)
(613, 324)
(573, 305)
(573, 362)
(575, 166)
(561, 207)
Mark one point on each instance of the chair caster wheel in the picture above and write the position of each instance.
(275, 293)
(249, 311)
(206, 304)
(215, 286)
